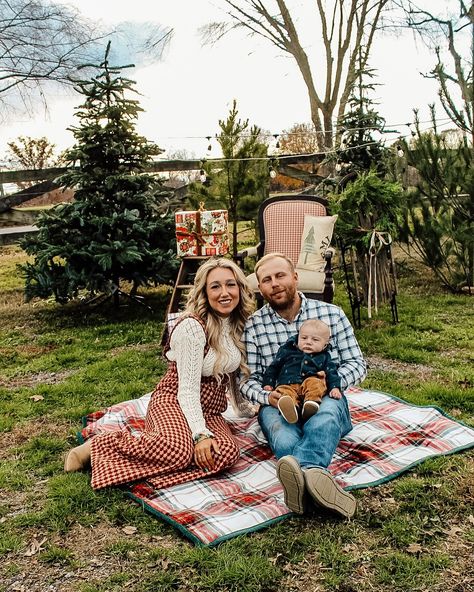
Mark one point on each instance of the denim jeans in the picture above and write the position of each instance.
(312, 443)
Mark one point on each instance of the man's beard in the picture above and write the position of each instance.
(286, 303)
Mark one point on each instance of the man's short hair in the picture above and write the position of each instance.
(271, 256)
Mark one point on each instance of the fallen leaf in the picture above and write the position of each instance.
(35, 547)
(470, 518)
(414, 548)
(36, 398)
(129, 529)
(275, 559)
(453, 531)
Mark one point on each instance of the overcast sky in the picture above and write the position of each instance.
(192, 87)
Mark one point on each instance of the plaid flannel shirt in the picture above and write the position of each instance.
(266, 330)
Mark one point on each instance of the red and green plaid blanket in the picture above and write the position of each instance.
(389, 437)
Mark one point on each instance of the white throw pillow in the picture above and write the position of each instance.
(315, 240)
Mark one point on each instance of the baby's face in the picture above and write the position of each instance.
(312, 341)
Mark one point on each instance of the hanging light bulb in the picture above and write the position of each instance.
(202, 176)
(272, 173)
(400, 152)
(338, 166)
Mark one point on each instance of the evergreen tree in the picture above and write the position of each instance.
(367, 204)
(360, 131)
(240, 183)
(438, 220)
(113, 230)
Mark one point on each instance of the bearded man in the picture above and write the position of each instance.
(304, 449)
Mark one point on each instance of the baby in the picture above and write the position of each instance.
(303, 372)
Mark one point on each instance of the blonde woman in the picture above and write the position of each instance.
(185, 435)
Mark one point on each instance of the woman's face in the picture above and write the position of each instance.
(222, 291)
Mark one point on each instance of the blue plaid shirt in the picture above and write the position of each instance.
(266, 330)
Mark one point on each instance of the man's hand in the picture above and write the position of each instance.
(335, 394)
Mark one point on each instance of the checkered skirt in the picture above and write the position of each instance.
(163, 454)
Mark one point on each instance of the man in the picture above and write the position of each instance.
(304, 450)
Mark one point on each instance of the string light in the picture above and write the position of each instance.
(202, 173)
(441, 120)
(271, 168)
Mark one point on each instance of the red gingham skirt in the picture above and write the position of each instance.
(163, 454)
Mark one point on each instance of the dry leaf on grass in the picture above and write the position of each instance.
(36, 398)
(129, 529)
(35, 547)
(414, 548)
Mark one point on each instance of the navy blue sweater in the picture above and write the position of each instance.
(292, 366)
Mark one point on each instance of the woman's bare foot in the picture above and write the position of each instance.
(78, 458)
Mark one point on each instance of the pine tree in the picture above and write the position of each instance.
(438, 218)
(360, 130)
(240, 184)
(112, 231)
(368, 205)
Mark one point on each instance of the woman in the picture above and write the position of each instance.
(185, 435)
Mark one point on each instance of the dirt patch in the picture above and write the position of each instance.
(32, 380)
(385, 365)
(89, 562)
(23, 432)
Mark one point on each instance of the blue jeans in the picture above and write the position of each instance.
(312, 443)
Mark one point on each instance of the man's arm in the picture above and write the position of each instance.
(352, 368)
(252, 388)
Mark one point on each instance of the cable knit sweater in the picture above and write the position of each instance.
(187, 345)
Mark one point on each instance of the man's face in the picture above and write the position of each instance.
(277, 283)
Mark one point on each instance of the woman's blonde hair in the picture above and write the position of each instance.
(198, 304)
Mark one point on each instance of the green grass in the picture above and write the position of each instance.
(58, 364)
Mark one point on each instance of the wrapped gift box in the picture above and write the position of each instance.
(202, 232)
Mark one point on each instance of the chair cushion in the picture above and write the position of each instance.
(308, 281)
(283, 223)
(315, 240)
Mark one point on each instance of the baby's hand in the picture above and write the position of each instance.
(267, 388)
(335, 394)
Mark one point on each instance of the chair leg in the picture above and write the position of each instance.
(394, 308)
(355, 306)
(328, 291)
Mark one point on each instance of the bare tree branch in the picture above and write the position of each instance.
(42, 42)
(345, 25)
(449, 31)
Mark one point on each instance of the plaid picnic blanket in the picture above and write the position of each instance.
(390, 436)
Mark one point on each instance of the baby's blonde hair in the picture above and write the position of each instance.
(319, 326)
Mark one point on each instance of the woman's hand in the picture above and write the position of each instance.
(204, 452)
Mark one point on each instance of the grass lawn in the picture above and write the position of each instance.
(415, 533)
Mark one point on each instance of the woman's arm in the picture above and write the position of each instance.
(188, 342)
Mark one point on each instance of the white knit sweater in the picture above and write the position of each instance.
(187, 344)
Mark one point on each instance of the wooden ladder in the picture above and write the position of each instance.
(184, 281)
